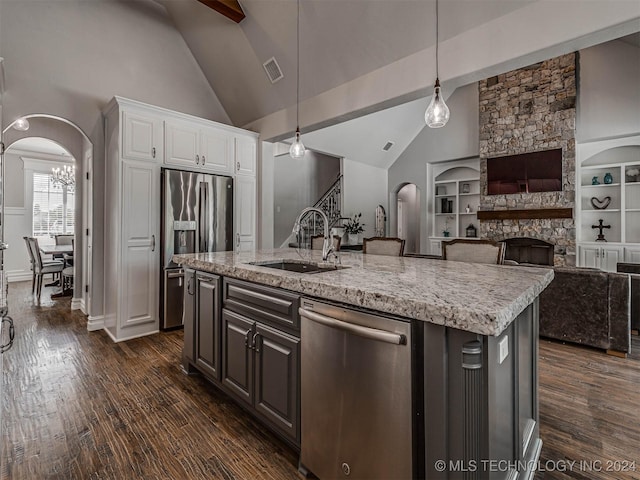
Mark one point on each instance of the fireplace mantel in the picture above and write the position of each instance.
(539, 213)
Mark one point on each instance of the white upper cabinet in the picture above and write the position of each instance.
(198, 147)
(246, 156)
(142, 136)
(181, 143)
(216, 150)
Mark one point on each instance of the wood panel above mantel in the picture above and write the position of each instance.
(531, 213)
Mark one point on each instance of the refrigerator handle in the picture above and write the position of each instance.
(204, 218)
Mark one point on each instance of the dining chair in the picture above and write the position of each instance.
(32, 261)
(62, 239)
(391, 246)
(474, 251)
(42, 268)
(318, 240)
(67, 258)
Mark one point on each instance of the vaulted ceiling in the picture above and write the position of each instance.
(340, 40)
(366, 66)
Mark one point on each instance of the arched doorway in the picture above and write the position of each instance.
(69, 138)
(405, 213)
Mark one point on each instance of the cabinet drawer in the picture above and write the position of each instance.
(272, 306)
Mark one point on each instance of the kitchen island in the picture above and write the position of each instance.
(472, 380)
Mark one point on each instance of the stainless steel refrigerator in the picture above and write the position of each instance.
(197, 216)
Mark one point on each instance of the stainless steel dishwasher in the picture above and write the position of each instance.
(356, 394)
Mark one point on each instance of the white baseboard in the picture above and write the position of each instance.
(76, 304)
(130, 337)
(83, 306)
(19, 275)
(95, 323)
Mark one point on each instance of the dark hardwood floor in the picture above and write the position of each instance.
(78, 406)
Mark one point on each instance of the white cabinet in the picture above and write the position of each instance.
(141, 136)
(196, 146)
(632, 254)
(604, 257)
(132, 220)
(140, 254)
(435, 247)
(245, 213)
(216, 150)
(246, 156)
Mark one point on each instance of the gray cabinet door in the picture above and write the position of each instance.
(208, 324)
(276, 378)
(237, 355)
(189, 317)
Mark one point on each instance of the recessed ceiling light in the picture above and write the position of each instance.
(21, 124)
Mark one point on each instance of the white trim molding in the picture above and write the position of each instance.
(17, 211)
(76, 304)
(95, 323)
(19, 276)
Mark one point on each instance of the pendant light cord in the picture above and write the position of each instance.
(437, 38)
(298, 71)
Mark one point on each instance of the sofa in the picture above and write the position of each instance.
(589, 307)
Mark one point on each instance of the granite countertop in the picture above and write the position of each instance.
(479, 298)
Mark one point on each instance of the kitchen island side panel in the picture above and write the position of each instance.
(481, 400)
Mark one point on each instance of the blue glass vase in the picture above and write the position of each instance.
(608, 178)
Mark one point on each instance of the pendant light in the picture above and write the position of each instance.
(437, 114)
(297, 149)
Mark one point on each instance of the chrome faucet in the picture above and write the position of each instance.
(327, 245)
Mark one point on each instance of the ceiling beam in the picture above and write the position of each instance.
(229, 8)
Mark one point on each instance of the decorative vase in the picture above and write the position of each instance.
(445, 234)
(594, 181)
(353, 238)
(608, 178)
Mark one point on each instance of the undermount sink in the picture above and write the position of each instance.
(298, 267)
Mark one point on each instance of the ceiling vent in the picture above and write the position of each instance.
(387, 146)
(273, 70)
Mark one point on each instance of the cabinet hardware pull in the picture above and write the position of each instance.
(238, 239)
(198, 159)
(203, 159)
(246, 340)
(153, 243)
(153, 152)
(238, 166)
(189, 286)
(253, 342)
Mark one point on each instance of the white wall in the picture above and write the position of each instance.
(608, 91)
(69, 58)
(458, 139)
(364, 188)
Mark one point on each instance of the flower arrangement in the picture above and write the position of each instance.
(353, 225)
(445, 232)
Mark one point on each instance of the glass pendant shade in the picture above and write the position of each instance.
(297, 149)
(21, 124)
(437, 114)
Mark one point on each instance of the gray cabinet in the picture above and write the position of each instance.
(188, 318)
(261, 352)
(260, 367)
(276, 378)
(207, 324)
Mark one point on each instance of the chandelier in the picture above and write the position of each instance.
(65, 176)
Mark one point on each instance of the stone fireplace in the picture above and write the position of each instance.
(523, 111)
(529, 250)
